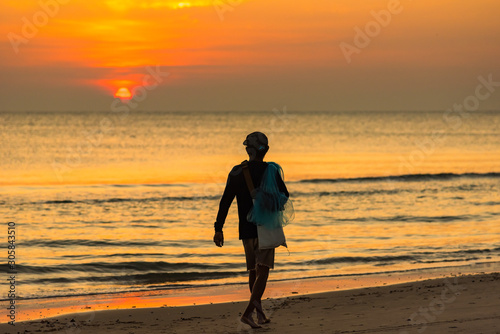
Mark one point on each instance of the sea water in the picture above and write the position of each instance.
(112, 203)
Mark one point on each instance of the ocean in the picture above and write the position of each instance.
(106, 203)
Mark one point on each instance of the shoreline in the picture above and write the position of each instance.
(41, 308)
(458, 304)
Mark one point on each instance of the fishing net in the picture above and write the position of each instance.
(271, 207)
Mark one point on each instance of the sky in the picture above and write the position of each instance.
(245, 55)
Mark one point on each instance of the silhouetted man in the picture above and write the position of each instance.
(258, 261)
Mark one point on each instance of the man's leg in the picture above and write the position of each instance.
(261, 317)
(258, 288)
(251, 278)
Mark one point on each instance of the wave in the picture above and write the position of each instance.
(103, 267)
(132, 267)
(117, 200)
(142, 279)
(416, 257)
(405, 178)
(351, 192)
(362, 259)
(213, 198)
(92, 243)
(414, 219)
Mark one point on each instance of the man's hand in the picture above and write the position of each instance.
(219, 239)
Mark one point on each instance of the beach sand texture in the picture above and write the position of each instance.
(461, 304)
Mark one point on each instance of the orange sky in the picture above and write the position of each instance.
(246, 55)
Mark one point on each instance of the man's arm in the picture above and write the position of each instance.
(225, 203)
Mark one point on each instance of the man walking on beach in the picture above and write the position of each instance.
(258, 261)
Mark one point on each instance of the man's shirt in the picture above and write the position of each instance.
(237, 186)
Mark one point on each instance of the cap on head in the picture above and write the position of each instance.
(257, 140)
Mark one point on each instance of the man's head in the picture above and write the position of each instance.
(256, 145)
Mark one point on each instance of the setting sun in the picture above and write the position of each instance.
(123, 93)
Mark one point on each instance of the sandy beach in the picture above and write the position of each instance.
(460, 304)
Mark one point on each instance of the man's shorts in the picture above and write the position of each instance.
(255, 256)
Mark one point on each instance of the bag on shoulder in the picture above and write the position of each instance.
(271, 208)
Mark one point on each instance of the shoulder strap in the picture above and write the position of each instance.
(248, 177)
